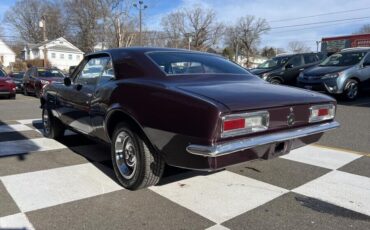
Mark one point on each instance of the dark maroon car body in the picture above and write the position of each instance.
(34, 82)
(7, 85)
(181, 116)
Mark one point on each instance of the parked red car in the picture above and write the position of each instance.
(7, 85)
(36, 78)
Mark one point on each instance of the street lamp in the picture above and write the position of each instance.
(140, 7)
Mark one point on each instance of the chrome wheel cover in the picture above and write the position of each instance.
(352, 90)
(46, 121)
(125, 155)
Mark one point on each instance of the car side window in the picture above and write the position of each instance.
(108, 73)
(310, 58)
(92, 70)
(367, 59)
(296, 61)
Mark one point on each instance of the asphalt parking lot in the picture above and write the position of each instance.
(69, 184)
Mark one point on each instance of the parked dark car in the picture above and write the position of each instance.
(17, 77)
(187, 109)
(7, 85)
(344, 73)
(284, 69)
(36, 78)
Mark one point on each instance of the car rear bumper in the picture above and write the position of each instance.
(249, 143)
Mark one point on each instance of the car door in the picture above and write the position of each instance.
(292, 69)
(82, 91)
(365, 72)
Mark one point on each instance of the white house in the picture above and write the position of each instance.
(60, 53)
(7, 55)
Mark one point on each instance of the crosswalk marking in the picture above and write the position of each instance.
(30, 121)
(340, 188)
(16, 221)
(322, 157)
(31, 145)
(14, 128)
(219, 196)
(51, 187)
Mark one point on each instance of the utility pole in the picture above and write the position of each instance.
(140, 7)
(317, 46)
(42, 25)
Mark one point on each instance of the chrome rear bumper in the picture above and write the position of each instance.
(240, 145)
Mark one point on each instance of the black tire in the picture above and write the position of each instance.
(275, 81)
(351, 90)
(12, 96)
(52, 127)
(145, 164)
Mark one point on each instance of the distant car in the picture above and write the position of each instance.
(36, 78)
(285, 69)
(7, 85)
(184, 108)
(17, 77)
(343, 73)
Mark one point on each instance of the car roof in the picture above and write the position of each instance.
(366, 49)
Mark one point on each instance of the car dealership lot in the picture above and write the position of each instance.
(69, 184)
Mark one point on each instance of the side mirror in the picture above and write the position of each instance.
(67, 81)
(289, 66)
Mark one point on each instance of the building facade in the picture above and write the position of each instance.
(59, 52)
(7, 56)
(334, 44)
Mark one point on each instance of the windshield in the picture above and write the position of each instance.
(50, 73)
(17, 75)
(274, 62)
(343, 59)
(176, 63)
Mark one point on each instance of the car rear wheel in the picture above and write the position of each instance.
(275, 81)
(52, 127)
(135, 164)
(351, 90)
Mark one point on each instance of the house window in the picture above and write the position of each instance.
(70, 56)
(78, 57)
(53, 55)
(61, 56)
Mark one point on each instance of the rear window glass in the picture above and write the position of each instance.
(177, 63)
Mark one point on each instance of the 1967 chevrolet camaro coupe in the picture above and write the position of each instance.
(187, 109)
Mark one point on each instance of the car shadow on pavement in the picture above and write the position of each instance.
(362, 101)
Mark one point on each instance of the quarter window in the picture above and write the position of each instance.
(92, 70)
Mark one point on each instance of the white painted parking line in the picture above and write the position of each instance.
(322, 157)
(220, 196)
(14, 128)
(340, 188)
(31, 145)
(30, 121)
(47, 188)
(16, 221)
(218, 227)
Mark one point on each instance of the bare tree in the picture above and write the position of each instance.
(195, 22)
(249, 30)
(25, 15)
(268, 52)
(298, 47)
(83, 18)
(365, 29)
(174, 27)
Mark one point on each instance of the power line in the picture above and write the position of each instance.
(315, 23)
(324, 14)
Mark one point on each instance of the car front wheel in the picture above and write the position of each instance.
(351, 90)
(52, 127)
(275, 81)
(135, 164)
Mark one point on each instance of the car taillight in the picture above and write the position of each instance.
(239, 124)
(321, 113)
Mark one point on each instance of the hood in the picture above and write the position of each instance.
(3, 79)
(322, 70)
(261, 71)
(245, 95)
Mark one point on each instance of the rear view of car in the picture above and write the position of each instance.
(343, 73)
(7, 86)
(17, 77)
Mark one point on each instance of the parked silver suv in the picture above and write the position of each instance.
(343, 73)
